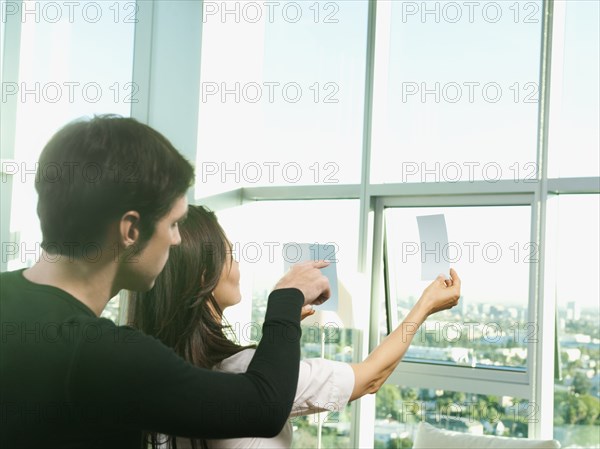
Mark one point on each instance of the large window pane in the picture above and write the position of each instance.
(2, 27)
(400, 410)
(490, 249)
(332, 427)
(575, 101)
(577, 393)
(282, 88)
(456, 91)
(258, 232)
(75, 60)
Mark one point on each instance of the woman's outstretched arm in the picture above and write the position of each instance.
(371, 373)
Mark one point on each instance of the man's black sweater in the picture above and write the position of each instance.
(69, 379)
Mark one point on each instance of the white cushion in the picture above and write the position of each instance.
(432, 437)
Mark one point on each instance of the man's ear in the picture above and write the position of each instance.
(129, 228)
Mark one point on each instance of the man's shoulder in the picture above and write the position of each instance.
(9, 277)
(59, 332)
(92, 329)
(26, 301)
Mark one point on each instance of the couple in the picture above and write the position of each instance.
(72, 379)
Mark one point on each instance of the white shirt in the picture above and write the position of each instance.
(323, 385)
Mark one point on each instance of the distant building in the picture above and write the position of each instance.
(389, 429)
(573, 311)
(573, 354)
(495, 428)
(456, 424)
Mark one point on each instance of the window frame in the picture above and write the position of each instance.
(493, 381)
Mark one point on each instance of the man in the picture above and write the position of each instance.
(111, 194)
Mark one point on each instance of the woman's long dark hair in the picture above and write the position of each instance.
(180, 310)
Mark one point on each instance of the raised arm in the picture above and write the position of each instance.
(371, 373)
(135, 377)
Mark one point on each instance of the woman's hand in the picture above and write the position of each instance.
(442, 294)
(370, 374)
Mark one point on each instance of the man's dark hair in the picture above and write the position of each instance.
(94, 170)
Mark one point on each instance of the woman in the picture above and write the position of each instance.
(185, 311)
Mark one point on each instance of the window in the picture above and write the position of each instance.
(282, 88)
(259, 232)
(577, 387)
(456, 91)
(489, 246)
(401, 409)
(575, 102)
(284, 101)
(75, 60)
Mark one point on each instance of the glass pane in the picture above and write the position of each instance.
(258, 232)
(75, 59)
(281, 94)
(456, 91)
(111, 311)
(575, 100)
(577, 393)
(491, 251)
(2, 27)
(333, 427)
(399, 410)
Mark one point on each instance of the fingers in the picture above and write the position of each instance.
(322, 283)
(442, 281)
(320, 263)
(456, 283)
(455, 278)
(453, 281)
(309, 279)
(320, 300)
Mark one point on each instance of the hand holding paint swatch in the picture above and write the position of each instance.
(294, 253)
